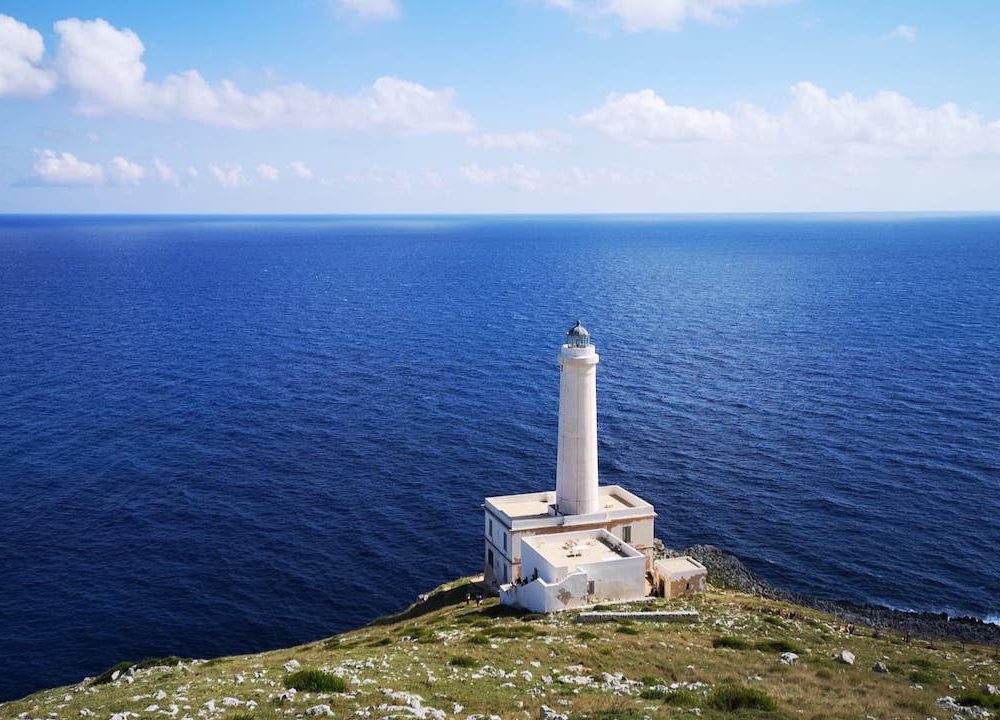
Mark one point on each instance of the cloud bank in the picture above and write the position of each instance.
(101, 65)
(814, 122)
(665, 15)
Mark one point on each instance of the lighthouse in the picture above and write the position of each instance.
(582, 542)
(576, 463)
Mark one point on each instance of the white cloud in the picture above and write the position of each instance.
(514, 176)
(103, 66)
(166, 173)
(229, 177)
(525, 140)
(21, 51)
(433, 179)
(192, 171)
(267, 172)
(127, 172)
(814, 122)
(301, 170)
(904, 32)
(643, 116)
(369, 9)
(64, 168)
(669, 15)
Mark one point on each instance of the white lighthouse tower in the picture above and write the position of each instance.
(576, 465)
(583, 542)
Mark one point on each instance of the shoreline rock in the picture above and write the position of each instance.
(727, 570)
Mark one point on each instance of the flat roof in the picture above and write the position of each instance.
(527, 506)
(678, 565)
(568, 550)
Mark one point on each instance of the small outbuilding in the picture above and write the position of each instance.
(673, 577)
(575, 569)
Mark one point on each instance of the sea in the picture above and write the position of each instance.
(221, 435)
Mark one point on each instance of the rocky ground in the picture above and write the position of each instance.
(745, 656)
(726, 570)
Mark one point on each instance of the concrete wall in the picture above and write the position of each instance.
(542, 597)
(622, 579)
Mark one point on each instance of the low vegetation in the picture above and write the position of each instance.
(316, 681)
(461, 660)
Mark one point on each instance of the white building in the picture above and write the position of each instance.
(583, 542)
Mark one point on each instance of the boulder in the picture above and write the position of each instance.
(788, 658)
(846, 657)
(292, 665)
(880, 667)
(547, 713)
(320, 711)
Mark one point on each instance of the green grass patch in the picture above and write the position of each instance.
(462, 661)
(733, 698)
(316, 681)
(922, 677)
(731, 643)
(105, 677)
(781, 646)
(627, 629)
(478, 640)
(976, 697)
(587, 635)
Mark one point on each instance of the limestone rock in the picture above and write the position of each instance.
(880, 667)
(292, 665)
(846, 657)
(320, 710)
(991, 690)
(788, 658)
(547, 713)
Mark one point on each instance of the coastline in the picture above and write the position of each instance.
(728, 571)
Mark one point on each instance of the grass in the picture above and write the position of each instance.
(981, 699)
(437, 650)
(780, 646)
(316, 681)
(922, 677)
(733, 698)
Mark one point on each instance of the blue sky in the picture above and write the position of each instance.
(368, 106)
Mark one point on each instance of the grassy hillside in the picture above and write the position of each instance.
(444, 659)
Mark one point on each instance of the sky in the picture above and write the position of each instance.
(499, 106)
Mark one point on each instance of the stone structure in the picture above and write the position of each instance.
(677, 576)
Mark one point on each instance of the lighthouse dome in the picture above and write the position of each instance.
(577, 336)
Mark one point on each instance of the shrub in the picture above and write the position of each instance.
(462, 661)
(975, 697)
(627, 630)
(922, 677)
(650, 680)
(105, 677)
(478, 640)
(772, 620)
(731, 643)
(780, 646)
(732, 698)
(587, 635)
(677, 698)
(316, 681)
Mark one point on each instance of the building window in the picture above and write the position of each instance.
(627, 533)
(505, 542)
(491, 527)
(489, 558)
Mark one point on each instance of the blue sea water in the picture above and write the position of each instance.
(221, 435)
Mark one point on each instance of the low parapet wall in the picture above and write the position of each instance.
(651, 616)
